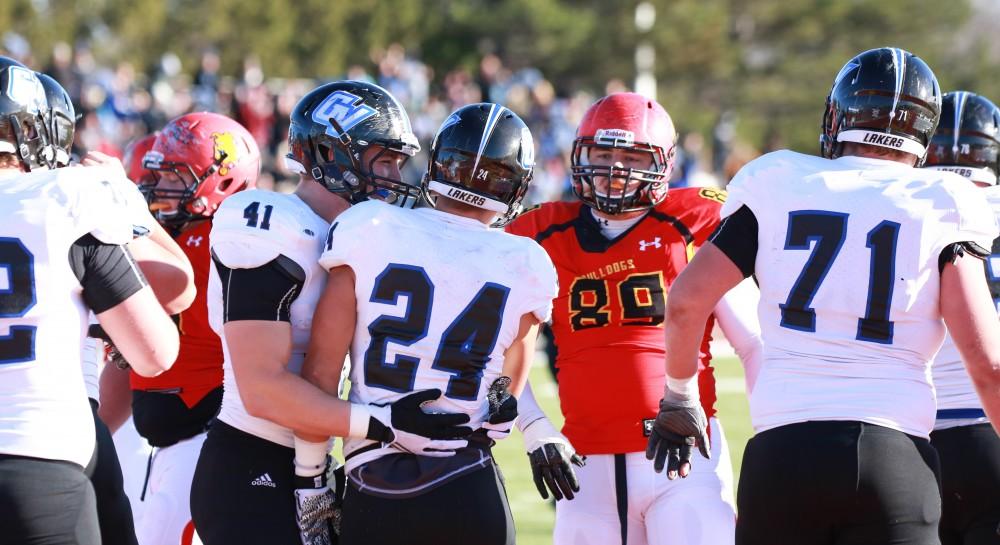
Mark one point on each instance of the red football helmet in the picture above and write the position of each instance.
(626, 121)
(135, 154)
(198, 160)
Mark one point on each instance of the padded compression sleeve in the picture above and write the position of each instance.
(262, 293)
(107, 272)
(736, 236)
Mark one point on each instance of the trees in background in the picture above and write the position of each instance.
(764, 64)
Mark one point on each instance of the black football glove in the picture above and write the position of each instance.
(552, 459)
(680, 425)
(405, 425)
(503, 409)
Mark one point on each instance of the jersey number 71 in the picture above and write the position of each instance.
(828, 230)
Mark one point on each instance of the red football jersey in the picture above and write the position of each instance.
(198, 369)
(608, 316)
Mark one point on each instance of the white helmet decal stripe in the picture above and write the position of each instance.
(491, 123)
(899, 66)
(960, 99)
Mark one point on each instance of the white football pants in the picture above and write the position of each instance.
(696, 510)
(166, 518)
(133, 456)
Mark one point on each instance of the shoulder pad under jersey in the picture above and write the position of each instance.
(106, 203)
(253, 227)
(354, 227)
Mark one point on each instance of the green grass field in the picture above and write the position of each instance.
(534, 517)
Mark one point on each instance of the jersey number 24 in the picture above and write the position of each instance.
(465, 346)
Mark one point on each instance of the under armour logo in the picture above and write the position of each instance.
(194, 241)
(643, 244)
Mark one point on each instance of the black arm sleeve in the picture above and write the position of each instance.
(107, 272)
(736, 236)
(955, 250)
(264, 293)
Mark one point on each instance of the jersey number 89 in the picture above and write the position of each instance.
(641, 296)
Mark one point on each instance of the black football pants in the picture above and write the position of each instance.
(472, 509)
(114, 512)
(242, 492)
(838, 483)
(46, 502)
(970, 489)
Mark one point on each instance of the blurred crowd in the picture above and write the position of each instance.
(118, 103)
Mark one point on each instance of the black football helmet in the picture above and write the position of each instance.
(331, 128)
(967, 140)
(483, 155)
(60, 119)
(884, 97)
(22, 104)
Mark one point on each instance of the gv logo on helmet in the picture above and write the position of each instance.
(347, 109)
(25, 89)
(527, 153)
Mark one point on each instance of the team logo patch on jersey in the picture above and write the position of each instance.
(225, 151)
(712, 194)
(347, 109)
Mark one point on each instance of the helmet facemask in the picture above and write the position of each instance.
(173, 180)
(624, 189)
(341, 167)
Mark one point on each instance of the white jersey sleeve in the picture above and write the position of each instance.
(252, 228)
(971, 218)
(346, 233)
(541, 281)
(108, 204)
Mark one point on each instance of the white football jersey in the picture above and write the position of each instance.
(44, 411)
(848, 271)
(440, 298)
(957, 401)
(250, 229)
